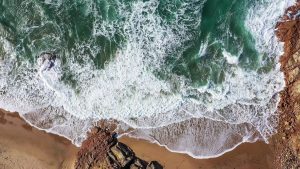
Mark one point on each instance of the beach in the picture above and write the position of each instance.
(246, 156)
(22, 146)
(201, 77)
(195, 76)
(21, 143)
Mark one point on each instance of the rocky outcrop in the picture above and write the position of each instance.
(288, 139)
(47, 60)
(154, 165)
(101, 150)
(93, 152)
(288, 31)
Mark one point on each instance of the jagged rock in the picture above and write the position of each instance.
(287, 144)
(113, 159)
(123, 154)
(47, 60)
(138, 164)
(94, 150)
(154, 165)
(101, 150)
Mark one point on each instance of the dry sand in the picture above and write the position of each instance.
(24, 147)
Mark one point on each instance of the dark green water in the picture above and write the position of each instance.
(68, 28)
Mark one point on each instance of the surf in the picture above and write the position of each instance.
(162, 68)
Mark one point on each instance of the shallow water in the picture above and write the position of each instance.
(197, 76)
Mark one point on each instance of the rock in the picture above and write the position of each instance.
(288, 31)
(113, 159)
(154, 165)
(123, 154)
(94, 150)
(47, 60)
(101, 150)
(138, 164)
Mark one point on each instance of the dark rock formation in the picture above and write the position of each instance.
(101, 150)
(154, 165)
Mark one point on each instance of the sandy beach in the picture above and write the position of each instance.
(20, 143)
(24, 147)
(246, 156)
(189, 74)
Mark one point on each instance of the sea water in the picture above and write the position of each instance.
(197, 76)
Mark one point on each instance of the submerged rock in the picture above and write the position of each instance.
(101, 150)
(47, 60)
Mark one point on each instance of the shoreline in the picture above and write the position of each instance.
(21, 142)
(245, 156)
(125, 137)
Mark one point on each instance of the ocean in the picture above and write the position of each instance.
(196, 76)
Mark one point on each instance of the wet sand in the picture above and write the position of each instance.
(247, 156)
(22, 146)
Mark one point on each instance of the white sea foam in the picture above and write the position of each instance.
(261, 21)
(200, 138)
(215, 120)
(231, 59)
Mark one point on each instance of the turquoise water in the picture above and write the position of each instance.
(153, 64)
